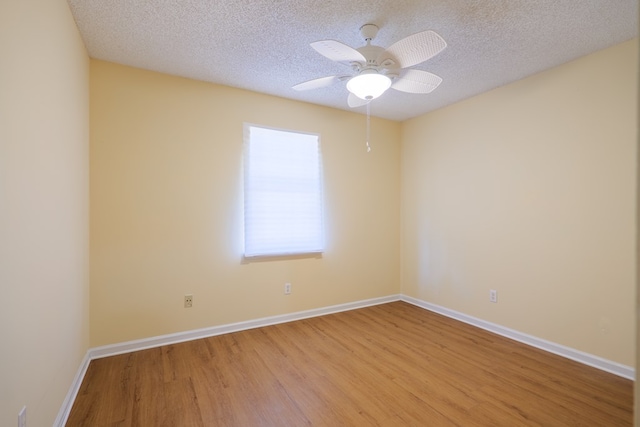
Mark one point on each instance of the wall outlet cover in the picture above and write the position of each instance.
(493, 295)
(188, 301)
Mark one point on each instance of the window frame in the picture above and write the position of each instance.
(316, 245)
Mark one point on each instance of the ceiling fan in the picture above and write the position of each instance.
(376, 69)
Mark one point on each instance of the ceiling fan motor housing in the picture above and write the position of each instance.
(371, 53)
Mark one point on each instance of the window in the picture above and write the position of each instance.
(282, 193)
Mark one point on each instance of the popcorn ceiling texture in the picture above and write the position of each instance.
(263, 45)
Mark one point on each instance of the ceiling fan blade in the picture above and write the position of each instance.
(416, 81)
(354, 101)
(414, 49)
(337, 51)
(317, 83)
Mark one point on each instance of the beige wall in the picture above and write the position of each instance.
(44, 207)
(530, 190)
(637, 383)
(166, 208)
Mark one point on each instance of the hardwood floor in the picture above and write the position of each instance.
(387, 365)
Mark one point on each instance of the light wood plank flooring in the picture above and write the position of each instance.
(388, 365)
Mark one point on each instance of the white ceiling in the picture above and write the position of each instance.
(263, 45)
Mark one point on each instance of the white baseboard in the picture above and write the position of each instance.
(129, 346)
(570, 353)
(67, 404)
(136, 345)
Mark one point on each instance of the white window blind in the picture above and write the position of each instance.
(282, 193)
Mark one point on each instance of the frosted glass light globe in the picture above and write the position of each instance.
(368, 85)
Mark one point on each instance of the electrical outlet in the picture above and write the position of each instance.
(188, 301)
(493, 295)
(287, 288)
(22, 417)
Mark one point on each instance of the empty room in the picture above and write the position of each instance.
(210, 214)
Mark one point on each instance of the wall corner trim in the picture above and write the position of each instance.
(567, 352)
(67, 404)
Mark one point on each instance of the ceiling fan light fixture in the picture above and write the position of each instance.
(368, 85)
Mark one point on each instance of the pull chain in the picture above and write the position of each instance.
(368, 125)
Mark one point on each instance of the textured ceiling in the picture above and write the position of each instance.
(263, 45)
